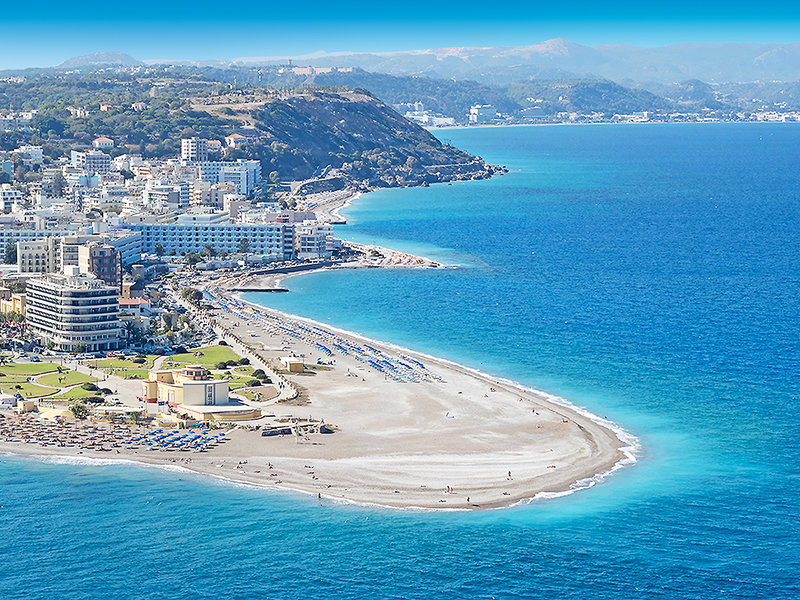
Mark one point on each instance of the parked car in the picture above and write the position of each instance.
(35, 358)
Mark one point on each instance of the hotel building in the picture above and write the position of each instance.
(74, 312)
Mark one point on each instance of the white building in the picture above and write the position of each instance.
(73, 312)
(275, 239)
(482, 113)
(10, 196)
(34, 154)
(314, 241)
(194, 149)
(203, 217)
(103, 143)
(244, 174)
(93, 162)
(39, 256)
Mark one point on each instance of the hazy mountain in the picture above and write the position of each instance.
(559, 59)
(97, 59)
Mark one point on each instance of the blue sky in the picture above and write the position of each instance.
(46, 33)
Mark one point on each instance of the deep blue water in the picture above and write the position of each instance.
(649, 273)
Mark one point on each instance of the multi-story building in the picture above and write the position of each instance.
(74, 313)
(314, 241)
(272, 239)
(94, 162)
(245, 174)
(9, 196)
(27, 234)
(192, 385)
(482, 113)
(102, 261)
(11, 302)
(39, 256)
(53, 254)
(194, 149)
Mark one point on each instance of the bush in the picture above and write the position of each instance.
(221, 365)
(179, 350)
(158, 352)
(89, 387)
(138, 360)
(259, 373)
(244, 361)
(105, 391)
(94, 399)
(252, 383)
(222, 343)
(232, 363)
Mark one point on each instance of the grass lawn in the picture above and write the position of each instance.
(209, 356)
(76, 393)
(233, 382)
(138, 373)
(13, 379)
(121, 363)
(69, 378)
(28, 368)
(28, 390)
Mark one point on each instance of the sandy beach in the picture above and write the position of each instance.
(446, 437)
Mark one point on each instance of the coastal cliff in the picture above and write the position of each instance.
(356, 137)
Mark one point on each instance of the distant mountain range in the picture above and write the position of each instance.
(552, 59)
(99, 59)
(560, 58)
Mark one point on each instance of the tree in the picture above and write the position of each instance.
(191, 294)
(192, 258)
(210, 251)
(160, 250)
(80, 411)
(244, 245)
(59, 184)
(10, 253)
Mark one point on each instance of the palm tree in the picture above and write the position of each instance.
(129, 328)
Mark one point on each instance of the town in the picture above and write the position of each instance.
(92, 252)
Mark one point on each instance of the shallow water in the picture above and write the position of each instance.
(648, 273)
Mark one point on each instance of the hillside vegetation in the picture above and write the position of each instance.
(295, 134)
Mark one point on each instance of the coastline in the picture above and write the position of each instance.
(464, 441)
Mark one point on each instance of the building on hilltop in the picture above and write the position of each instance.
(103, 143)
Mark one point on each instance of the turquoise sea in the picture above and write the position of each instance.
(649, 273)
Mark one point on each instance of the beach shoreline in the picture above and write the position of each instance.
(461, 439)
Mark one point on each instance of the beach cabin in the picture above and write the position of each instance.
(292, 364)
